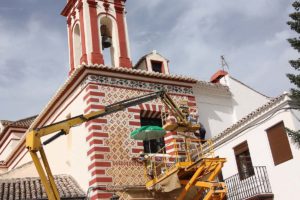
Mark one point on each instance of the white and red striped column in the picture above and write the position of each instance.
(97, 148)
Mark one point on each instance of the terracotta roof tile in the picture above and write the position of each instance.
(23, 123)
(31, 188)
(142, 73)
(6, 122)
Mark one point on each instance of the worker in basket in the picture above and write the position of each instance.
(193, 118)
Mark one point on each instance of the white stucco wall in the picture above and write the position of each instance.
(219, 109)
(284, 178)
(10, 143)
(67, 154)
(244, 99)
(154, 56)
(214, 108)
(142, 65)
(1, 127)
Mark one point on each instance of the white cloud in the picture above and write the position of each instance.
(251, 34)
(31, 67)
(191, 34)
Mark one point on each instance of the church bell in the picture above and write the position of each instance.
(106, 38)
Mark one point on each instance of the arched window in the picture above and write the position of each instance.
(77, 45)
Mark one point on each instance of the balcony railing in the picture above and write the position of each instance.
(257, 185)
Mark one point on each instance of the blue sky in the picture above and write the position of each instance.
(191, 34)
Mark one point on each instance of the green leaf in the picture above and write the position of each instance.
(295, 136)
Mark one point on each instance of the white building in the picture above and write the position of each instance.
(248, 129)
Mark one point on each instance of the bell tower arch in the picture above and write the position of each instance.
(97, 28)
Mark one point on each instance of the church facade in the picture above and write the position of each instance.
(100, 152)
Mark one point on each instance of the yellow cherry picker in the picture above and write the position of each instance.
(200, 173)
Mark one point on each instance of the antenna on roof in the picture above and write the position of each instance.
(224, 63)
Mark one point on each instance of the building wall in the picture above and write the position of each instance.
(99, 152)
(111, 150)
(10, 142)
(214, 109)
(244, 99)
(284, 178)
(219, 108)
(67, 154)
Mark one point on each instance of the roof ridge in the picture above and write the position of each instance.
(27, 118)
(251, 88)
(36, 177)
(140, 72)
(25, 122)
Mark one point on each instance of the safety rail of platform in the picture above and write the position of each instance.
(185, 150)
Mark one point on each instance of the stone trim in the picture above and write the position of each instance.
(135, 84)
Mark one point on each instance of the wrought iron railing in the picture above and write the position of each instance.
(255, 185)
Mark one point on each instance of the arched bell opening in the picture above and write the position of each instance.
(77, 45)
(107, 40)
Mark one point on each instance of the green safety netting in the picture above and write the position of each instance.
(147, 133)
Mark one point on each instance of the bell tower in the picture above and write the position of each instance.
(97, 28)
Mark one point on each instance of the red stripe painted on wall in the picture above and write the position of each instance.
(91, 87)
(92, 100)
(95, 107)
(134, 110)
(99, 149)
(96, 134)
(96, 142)
(100, 180)
(131, 123)
(97, 156)
(101, 196)
(99, 164)
(98, 120)
(93, 93)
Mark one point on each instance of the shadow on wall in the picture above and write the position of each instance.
(216, 117)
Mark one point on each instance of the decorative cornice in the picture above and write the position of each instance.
(67, 9)
(79, 5)
(92, 3)
(73, 14)
(106, 6)
(136, 84)
(142, 73)
(119, 9)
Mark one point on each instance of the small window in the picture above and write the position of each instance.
(156, 145)
(243, 160)
(279, 144)
(156, 66)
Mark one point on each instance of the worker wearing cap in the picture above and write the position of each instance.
(194, 119)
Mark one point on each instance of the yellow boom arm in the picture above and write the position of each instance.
(34, 144)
